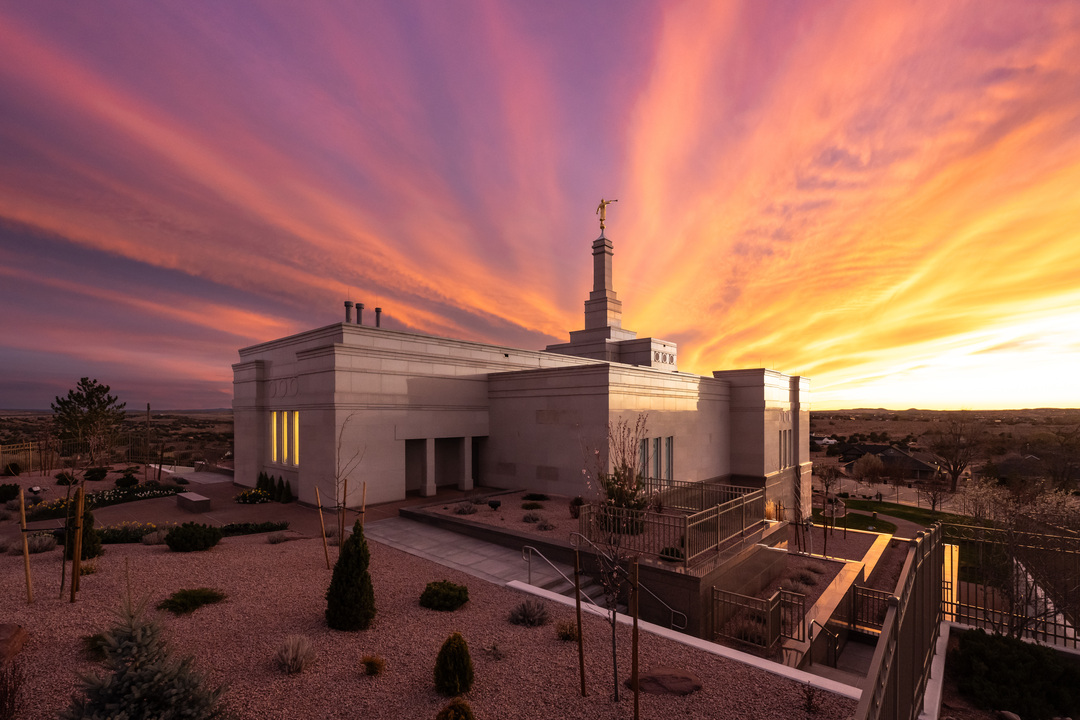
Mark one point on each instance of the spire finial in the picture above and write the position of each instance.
(602, 211)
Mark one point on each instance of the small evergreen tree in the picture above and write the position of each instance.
(145, 681)
(91, 538)
(350, 599)
(289, 497)
(453, 667)
(279, 494)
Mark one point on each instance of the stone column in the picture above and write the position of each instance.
(429, 488)
(466, 465)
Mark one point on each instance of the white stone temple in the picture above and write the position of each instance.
(427, 411)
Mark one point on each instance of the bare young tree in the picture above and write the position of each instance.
(348, 459)
(934, 491)
(955, 444)
(618, 473)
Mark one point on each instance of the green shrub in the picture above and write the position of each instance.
(95, 474)
(453, 667)
(184, 602)
(192, 537)
(535, 496)
(1002, 673)
(350, 599)
(12, 469)
(91, 541)
(126, 481)
(465, 508)
(295, 654)
(444, 595)
(289, 497)
(250, 528)
(545, 525)
(530, 613)
(65, 478)
(144, 678)
(532, 506)
(532, 517)
(254, 496)
(567, 631)
(125, 532)
(457, 709)
(575, 507)
(373, 665)
(94, 647)
(8, 492)
(279, 493)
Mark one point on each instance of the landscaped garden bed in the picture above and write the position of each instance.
(272, 592)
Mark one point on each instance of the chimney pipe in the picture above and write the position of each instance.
(378, 317)
(348, 311)
(359, 313)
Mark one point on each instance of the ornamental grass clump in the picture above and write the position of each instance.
(530, 613)
(444, 595)
(38, 543)
(453, 667)
(373, 665)
(295, 654)
(350, 599)
(145, 679)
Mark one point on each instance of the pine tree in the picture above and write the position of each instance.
(453, 667)
(279, 494)
(145, 680)
(91, 539)
(350, 599)
(289, 497)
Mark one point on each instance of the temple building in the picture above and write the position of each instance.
(408, 413)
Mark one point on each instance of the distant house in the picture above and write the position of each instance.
(897, 462)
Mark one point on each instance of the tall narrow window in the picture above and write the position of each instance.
(273, 437)
(643, 460)
(295, 438)
(656, 456)
(284, 437)
(669, 463)
(780, 450)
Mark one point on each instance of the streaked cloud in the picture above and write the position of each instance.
(880, 196)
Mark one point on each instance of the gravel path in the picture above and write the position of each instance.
(277, 590)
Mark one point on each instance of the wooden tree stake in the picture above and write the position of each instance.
(580, 630)
(635, 596)
(322, 525)
(363, 505)
(25, 548)
(76, 544)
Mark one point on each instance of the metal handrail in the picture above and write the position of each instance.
(527, 557)
(620, 569)
(834, 644)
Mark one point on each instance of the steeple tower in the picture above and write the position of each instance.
(602, 309)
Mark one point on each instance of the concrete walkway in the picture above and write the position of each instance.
(478, 558)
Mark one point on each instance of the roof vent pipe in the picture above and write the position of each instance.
(348, 311)
(359, 313)
(378, 317)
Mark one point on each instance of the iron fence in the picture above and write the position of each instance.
(692, 496)
(1018, 583)
(868, 607)
(759, 621)
(900, 668)
(670, 537)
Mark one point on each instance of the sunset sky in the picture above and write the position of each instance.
(883, 196)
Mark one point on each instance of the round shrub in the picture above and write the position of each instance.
(575, 506)
(9, 492)
(126, 481)
(65, 478)
(350, 599)
(12, 469)
(444, 595)
(532, 506)
(457, 709)
(192, 537)
(453, 667)
(95, 474)
(532, 517)
(535, 496)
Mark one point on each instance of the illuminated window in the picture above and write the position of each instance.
(273, 437)
(285, 437)
(296, 438)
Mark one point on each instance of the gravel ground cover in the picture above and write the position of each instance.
(556, 511)
(278, 590)
(853, 547)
